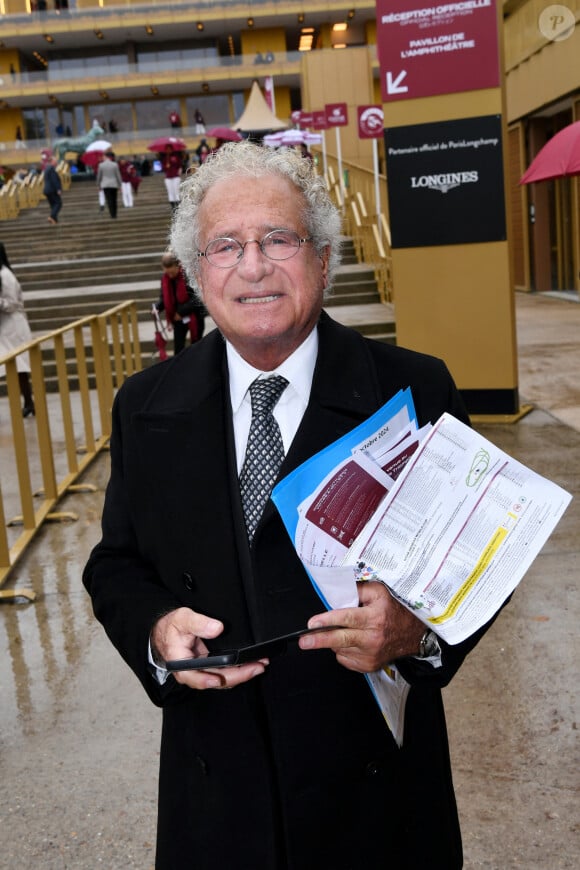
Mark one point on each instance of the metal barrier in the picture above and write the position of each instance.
(73, 396)
(354, 196)
(15, 196)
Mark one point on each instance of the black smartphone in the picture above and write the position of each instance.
(228, 657)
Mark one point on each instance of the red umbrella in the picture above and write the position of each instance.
(226, 133)
(94, 153)
(92, 158)
(161, 143)
(559, 157)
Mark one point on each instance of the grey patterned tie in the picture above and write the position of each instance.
(264, 451)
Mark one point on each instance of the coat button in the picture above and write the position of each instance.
(372, 768)
(187, 581)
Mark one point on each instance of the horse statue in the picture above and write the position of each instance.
(77, 144)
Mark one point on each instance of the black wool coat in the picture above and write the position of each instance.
(295, 769)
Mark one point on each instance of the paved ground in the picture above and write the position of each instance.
(79, 740)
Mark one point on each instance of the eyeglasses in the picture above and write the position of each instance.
(276, 245)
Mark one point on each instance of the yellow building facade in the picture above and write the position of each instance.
(66, 63)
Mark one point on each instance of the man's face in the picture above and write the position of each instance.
(265, 308)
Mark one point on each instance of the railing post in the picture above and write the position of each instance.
(103, 373)
(28, 451)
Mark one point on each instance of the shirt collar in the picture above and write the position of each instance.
(298, 370)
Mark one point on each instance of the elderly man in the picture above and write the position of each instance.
(294, 767)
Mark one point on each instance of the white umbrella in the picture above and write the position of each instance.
(93, 153)
(292, 137)
(98, 145)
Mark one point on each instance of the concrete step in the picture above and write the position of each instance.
(124, 272)
(46, 318)
(111, 269)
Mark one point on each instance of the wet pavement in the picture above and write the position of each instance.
(79, 739)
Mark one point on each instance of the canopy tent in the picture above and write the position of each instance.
(257, 115)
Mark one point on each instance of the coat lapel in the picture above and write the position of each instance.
(345, 391)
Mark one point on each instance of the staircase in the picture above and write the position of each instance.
(89, 263)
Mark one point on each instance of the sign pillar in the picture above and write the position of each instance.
(445, 146)
(319, 123)
(371, 121)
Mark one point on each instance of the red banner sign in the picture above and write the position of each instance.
(319, 120)
(439, 49)
(371, 120)
(336, 114)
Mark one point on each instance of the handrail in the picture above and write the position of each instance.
(354, 194)
(50, 458)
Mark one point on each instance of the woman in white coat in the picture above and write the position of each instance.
(14, 328)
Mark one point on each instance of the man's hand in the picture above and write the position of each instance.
(180, 634)
(374, 634)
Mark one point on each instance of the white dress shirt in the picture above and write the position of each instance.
(298, 370)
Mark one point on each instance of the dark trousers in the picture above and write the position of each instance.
(111, 199)
(55, 203)
(180, 331)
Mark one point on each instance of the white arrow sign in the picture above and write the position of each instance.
(394, 85)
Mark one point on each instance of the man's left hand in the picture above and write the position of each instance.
(374, 634)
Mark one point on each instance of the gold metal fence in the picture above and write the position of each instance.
(15, 196)
(73, 395)
(364, 219)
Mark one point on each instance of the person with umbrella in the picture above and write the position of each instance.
(171, 164)
(223, 135)
(202, 151)
(125, 168)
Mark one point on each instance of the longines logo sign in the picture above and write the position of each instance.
(445, 182)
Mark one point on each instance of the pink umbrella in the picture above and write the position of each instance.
(292, 137)
(226, 133)
(559, 157)
(161, 143)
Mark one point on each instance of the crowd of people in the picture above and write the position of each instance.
(124, 174)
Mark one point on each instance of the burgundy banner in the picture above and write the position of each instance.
(426, 50)
(370, 122)
(319, 120)
(336, 114)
